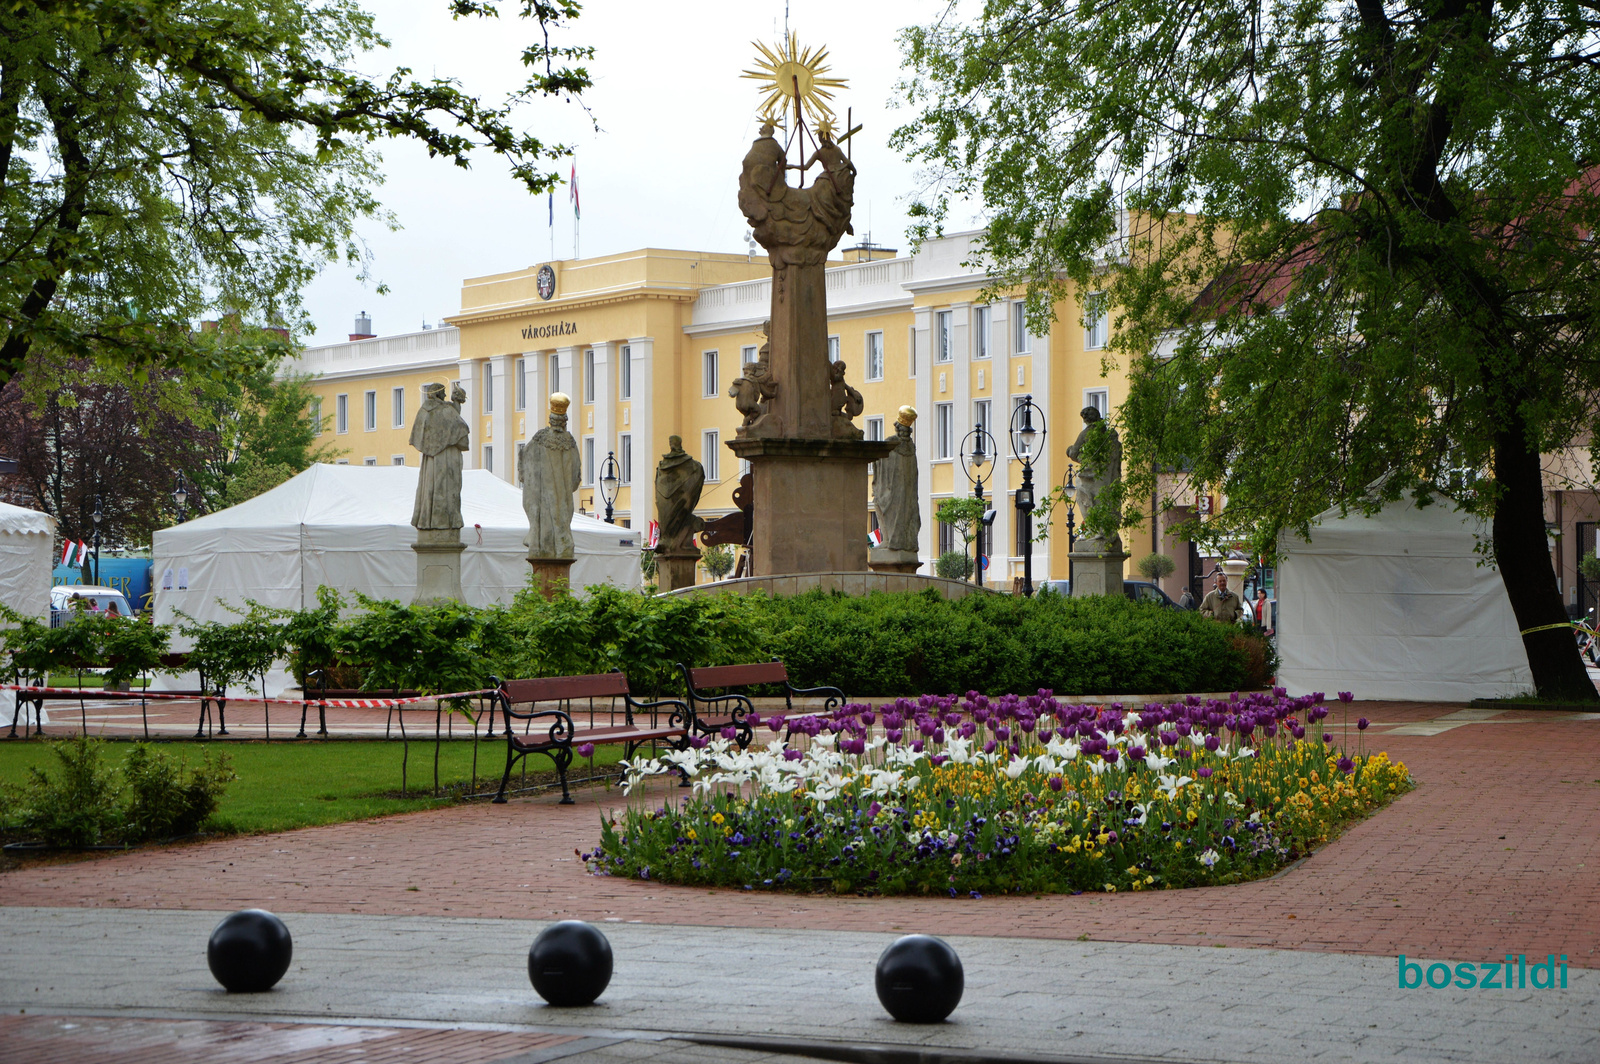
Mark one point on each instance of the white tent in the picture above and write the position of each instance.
(349, 527)
(1397, 606)
(27, 551)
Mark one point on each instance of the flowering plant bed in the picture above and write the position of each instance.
(967, 796)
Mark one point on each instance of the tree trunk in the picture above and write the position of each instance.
(1523, 556)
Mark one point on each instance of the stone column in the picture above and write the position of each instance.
(1095, 572)
(799, 351)
(500, 435)
(675, 570)
(921, 358)
(438, 565)
(641, 422)
(810, 502)
(467, 374)
(605, 407)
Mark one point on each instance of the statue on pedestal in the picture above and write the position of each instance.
(894, 489)
(844, 403)
(679, 480)
(441, 435)
(1098, 452)
(550, 471)
(797, 226)
(752, 391)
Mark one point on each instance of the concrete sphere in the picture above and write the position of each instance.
(570, 963)
(919, 979)
(249, 951)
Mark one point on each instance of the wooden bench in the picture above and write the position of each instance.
(557, 734)
(718, 712)
(168, 661)
(314, 695)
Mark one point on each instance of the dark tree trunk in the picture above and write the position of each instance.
(1522, 554)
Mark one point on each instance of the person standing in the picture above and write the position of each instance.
(1221, 604)
(1186, 600)
(1263, 611)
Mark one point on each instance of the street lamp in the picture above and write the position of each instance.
(98, 517)
(1069, 491)
(1026, 441)
(180, 495)
(978, 450)
(608, 483)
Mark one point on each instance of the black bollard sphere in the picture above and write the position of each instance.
(249, 951)
(920, 979)
(570, 963)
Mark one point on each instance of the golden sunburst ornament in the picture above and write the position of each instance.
(787, 73)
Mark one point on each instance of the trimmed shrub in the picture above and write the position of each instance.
(954, 565)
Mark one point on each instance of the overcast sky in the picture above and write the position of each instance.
(675, 120)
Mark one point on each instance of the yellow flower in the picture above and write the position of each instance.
(1111, 888)
(716, 818)
(692, 835)
(726, 832)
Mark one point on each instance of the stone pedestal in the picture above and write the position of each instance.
(810, 502)
(675, 570)
(884, 560)
(551, 575)
(1097, 572)
(438, 565)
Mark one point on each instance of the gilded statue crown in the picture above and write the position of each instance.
(559, 401)
(908, 414)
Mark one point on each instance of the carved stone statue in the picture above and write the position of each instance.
(1093, 476)
(752, 392)
(441, 435)
(550, 471)
(845, 404)
(679, 479)
(894, 489)
(797, 226)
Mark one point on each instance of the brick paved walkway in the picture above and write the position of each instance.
(1489, 855)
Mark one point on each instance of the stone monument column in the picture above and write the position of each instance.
(898, 503)
(443, 437)
(1097, 562)
(550, 470)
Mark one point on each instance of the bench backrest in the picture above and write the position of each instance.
(738, 675)
(558, 688)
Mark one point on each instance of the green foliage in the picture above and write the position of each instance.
(432, 648)
(124, 646)
(963, 515)
(648, 565)
(1156, 566)
(232, 654)
(954, 565)
(717, 560)
(263, 435)
(308, 634)
(166, 798)
(1589, 566)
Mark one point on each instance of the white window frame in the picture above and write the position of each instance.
(316, 415)
(342, 461)
(944, 344)
(397, 407)
(588, 461)
(944, 421)
(833, 349)
(624, 458)
(625, 381)
(488, 458)
(1096, 333)
(370, 460)
(555, 373)
(486, 383)
(748, 354)
(1021, 340)
(874, 349)
(708, 374)
(369, 410)
(981, 317)
(1099, 398)
(710, 443)
(983, 414)
(911, 353)
(588, 375)
(522, 384)
(397, 459)
(875, 429)
(341, 416)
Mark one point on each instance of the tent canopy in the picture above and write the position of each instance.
(1395, 605)
(27, 551)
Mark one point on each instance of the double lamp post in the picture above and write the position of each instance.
(1027, 435)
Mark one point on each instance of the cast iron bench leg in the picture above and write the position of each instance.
(511, 760)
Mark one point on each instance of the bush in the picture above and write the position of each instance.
(954, 565)
(717, 560)
(165, 797)
(1155, 567)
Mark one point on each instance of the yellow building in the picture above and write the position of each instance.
(647, 342)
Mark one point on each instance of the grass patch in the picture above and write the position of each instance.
(287, 785)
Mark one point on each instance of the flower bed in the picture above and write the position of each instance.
(966, 796)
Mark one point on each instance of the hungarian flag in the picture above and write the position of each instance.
(67, 550)
(83, 552)
(576, 212)
(875, 537)
(652, 535)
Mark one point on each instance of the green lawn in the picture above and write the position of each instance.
(284, 785)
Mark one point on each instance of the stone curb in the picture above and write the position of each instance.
(881, 1053)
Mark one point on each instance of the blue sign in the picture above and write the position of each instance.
(983, 562)
(131, 576)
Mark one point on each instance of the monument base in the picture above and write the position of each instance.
(551, 575)
(1097, 572)
(438, 565)
(810, 501)
(884, 560)
(675, 570)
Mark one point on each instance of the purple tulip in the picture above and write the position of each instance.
(1136, 753)
(917, 746)
(1110, 755)
(1212, 743)
(894, 735)
(989, 746)
(1327, 737)
(1203, 772)
(699, 742)
(1002, 733)
(1045, 734)
(775, 723)
(792, 755)
(1346, 765)
(1347, 697)
(938, 735)
(1299, 732)
(730, 732)
(1361, 725)
(586, 750)
(867, 717)
(1055, 783)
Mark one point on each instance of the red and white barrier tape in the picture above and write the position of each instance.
(337, 703)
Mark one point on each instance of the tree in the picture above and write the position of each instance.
(1345, 246)
(1156, 566)
(966, 517)
(159, 162)
(717, 560)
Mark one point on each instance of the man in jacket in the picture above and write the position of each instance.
(1221, 604)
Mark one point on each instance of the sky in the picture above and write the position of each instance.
(675, 120)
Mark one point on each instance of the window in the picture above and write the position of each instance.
(341, 417)
(1016, 404)
(522, 384)
(626, 381)
(316, 415)
(369, 461)
(748, 354)
(944, 444)
(980, 332)
(588, 459)
(708, 375)
(942, 344)
(1094, 315)
(369, 411)
(875, 428)
(486, 384)
(1024, 544)
(947, 537)
(874, 356)
(833, 349)
(911, 351)
(982, 419)
(398, 459)
(1099, 398)
(342, 461)
(1019, 328)
(588, 376)
(397, 400)
(555, 373)
(708, 455)
(625, 458)
(488, 458)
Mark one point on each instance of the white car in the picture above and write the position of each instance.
(98, 599)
